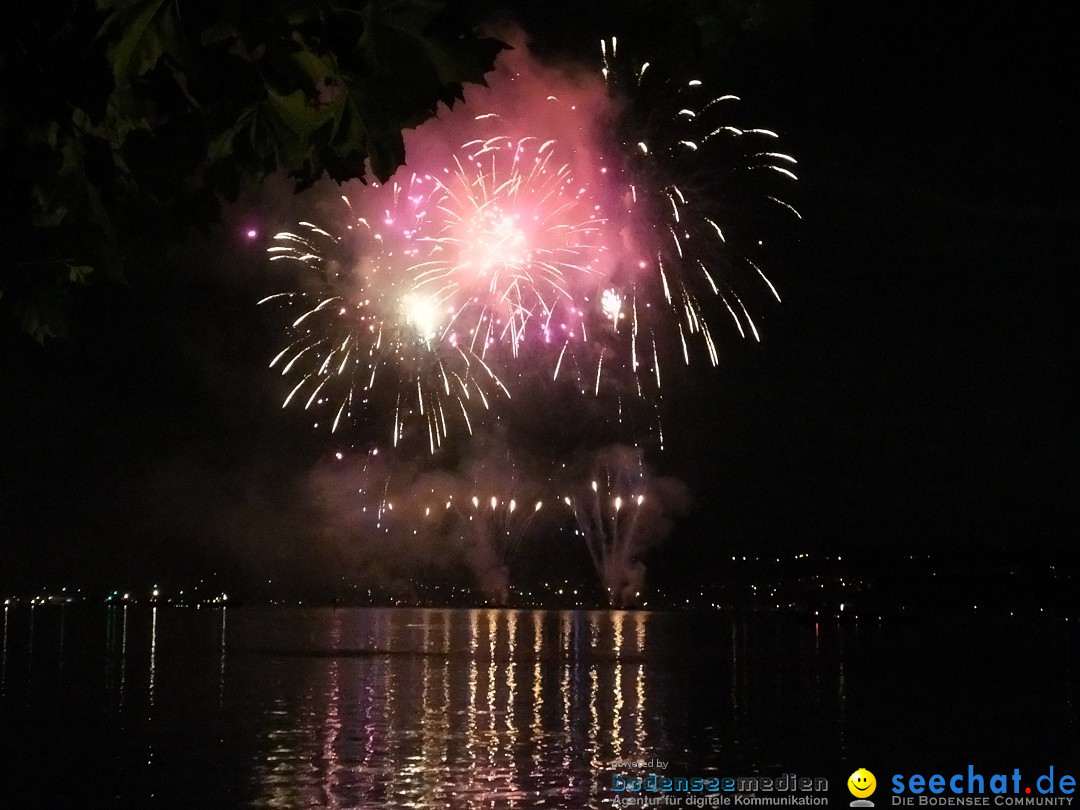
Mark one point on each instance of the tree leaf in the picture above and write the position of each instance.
(301, 116)
(220, 32)
(318, 69)
(141, 33)
(223, 146)
(79, 273)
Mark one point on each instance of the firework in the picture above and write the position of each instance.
(592, 253)
(691, 191)
(441, 272)
(487, 508)
(515, 236)
(491, 530)
(364, 341)
(500, 519)
(357, 496)
(607, 511)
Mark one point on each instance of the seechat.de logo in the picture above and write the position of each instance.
(862, 785)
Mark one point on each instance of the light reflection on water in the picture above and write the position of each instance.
(457, 709)
(469, 709)
(3, 659)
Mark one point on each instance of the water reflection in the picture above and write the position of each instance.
(30, 644)
(153, 653)
(221, 665)
(63, 627)
(3, 659)
(123, 654)
(461, 709)
(116, 648)
(490, 709)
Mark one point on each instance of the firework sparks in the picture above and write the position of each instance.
(492, 530)
(690, 190)
(611, 304)
(361, 334)
(442, 272)
(556, 263)
(607, 511)
(515, 236)
(488, 509)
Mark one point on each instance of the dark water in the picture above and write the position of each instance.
(290, 707)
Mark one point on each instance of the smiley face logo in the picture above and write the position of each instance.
(861, 783)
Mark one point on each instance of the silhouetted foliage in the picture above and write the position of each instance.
(129, 122)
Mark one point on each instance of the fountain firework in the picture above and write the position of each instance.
(487, 508)
(619, 512)
(491, 531)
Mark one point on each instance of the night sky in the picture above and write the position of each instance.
(914, 391)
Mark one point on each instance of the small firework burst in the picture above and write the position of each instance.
(691, 189)
(363, 340)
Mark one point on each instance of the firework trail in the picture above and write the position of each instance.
(579, 238)
(600, 257)
(488, 508)
(445, 273)
(491, 530)
(608, 511)
(690, 191)
(364, 342)
(515, 237)
(375, 512)
(362, 491)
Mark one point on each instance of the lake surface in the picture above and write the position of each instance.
(463, 709)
